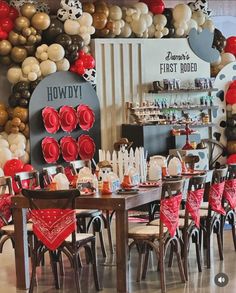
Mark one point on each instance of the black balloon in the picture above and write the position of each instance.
(21, 86)
(168, 14)
(219, 41)
(33, 84)
(171, 33)
(24, 103)
(25, 94)
(64, 40)
(78, 40)
(56, 28)
(14, 99)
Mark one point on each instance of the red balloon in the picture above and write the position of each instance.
(80, 70)
(232, 85)
(155, 6)
(4, 9)
(28, 168)
(231, 96)
(89, 61)
(231, 159)
(13, 14)
(3, 35)
(13, 166)
(231, 45)
(7, 24)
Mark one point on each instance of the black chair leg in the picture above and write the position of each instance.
(53, 261)
(94, 262)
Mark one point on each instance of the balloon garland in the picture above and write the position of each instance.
(34, 44)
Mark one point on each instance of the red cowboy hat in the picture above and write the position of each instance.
(51, 119)
(86, 147)
(51, 149)
(69, 148)
(68, 118)
(86, 117)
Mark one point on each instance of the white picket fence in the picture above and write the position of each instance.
(122, 161)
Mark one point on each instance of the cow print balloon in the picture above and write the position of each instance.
(71, 9)
(90, 76)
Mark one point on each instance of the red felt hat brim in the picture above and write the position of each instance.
(86, 147)
(83, 110)
(64, 145)
(65, 127)
(47, 157)
(56, 125)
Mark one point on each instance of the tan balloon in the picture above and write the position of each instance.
(26, 32)
(40, 21)
(102, 9)
(22, 40)
(18, 54)
(3, 117)
(21, 22)
(13, 38)
(21, 113)
(5, 47)
(47, 67)
(31, 40)
(99, 20)
(28, 10)
(88, 7)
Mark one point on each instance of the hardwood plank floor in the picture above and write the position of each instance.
(198, 282)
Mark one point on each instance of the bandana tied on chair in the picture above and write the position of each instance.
(53, 226)
(230, 192)
(193, 204)
(215, 197)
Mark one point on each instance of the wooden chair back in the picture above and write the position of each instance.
(220, 175)
(32, 176)
(6, 184)
(49, 172)
(190, 161)
(75, 166)
(231, 171)
(170, 188)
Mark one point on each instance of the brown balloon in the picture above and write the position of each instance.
(22, 40)
(26, 32)
(21, 22)
(16, 121)
(2, 106)
(21, 113)
(22, 126)
(111, 26)
(40, 21)
(31, 40)
(13, 38)
(7, 127)
(18, 54)
(89, 8)
(99, 20)
(3, 117)
(10, 112)
(5, 47)
(101, 8)
(26, 131)
(28, 10)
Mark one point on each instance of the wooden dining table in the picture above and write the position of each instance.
(120, 203)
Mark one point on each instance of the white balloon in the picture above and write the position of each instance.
(151, 31)
(182, 12)
(115, 12)
(147, 18)
(160, 19)
(199, 17)
(4, 143)
(142, 7)
(14, 75)
(71, 27)
(179, 32)
(15, 138)
(158, 34)
(192, 24)
(138, 26)
(85, 19)
(165, 31)
(29, 61)
(5, 156)
(63, 65)
(126, 31)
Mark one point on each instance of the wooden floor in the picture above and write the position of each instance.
(199, 282)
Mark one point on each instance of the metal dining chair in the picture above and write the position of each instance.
(159, 237)
(60, 236)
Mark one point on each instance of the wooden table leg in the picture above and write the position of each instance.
(122, 251)
(21, 249)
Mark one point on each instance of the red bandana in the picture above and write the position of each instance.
(230, 192)
(215, 197)
(53, 226)
(169, 212)
(193, 203)
(5, 208)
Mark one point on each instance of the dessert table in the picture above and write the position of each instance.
(120, 203)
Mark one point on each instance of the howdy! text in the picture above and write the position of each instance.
(64, 92)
